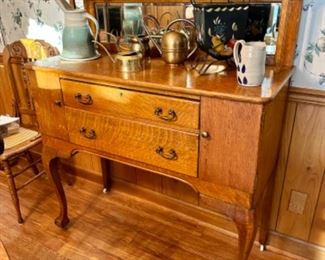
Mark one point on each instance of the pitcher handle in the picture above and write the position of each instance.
(93, 19)
(236, 50)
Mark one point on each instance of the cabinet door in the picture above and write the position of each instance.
(229, 155)
(47, 96)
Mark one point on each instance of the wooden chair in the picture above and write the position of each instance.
(19, 145)
(13, 147)
(15, 55)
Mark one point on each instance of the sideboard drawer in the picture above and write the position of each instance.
(104, 99)
(169, 149)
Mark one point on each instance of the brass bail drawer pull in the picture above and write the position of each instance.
(83, 99)
(171, 155)
(89, 134)
(171, 116)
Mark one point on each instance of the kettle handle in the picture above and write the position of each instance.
(93, 19)
(105, 49)
(236, 50)
(190, 23)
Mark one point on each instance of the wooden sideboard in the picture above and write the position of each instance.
(219, 138)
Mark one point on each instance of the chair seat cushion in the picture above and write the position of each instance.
(20, 142)
(22, 136)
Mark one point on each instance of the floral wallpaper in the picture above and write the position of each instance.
(42, 19)
(310, 52)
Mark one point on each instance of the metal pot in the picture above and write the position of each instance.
(129, 61)
(139, 43)
(175, 45)
(126, 61)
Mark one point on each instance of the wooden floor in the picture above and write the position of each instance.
(107, 226)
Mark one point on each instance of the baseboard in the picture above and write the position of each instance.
(279, 243)
(294, 247)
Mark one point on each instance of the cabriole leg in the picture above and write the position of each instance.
(246, 226)
(51, 166)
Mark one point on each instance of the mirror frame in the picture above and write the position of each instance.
(288, 27)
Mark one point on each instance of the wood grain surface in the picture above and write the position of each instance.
(46, 91)
(317, 234)
(135, 141)
(234, 132)
(283, 244)
(178, 79)
(282, 161)
(3, 252)
(6, 96)
(133, 104)
(270, 138)
(115, 226)
(307, 157)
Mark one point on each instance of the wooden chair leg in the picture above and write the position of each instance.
(31, 160)
(12, 189)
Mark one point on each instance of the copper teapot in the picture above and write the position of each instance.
(175, 45)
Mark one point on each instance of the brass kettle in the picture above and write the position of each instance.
(175, 45)
(125, 61)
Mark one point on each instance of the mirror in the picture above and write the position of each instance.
(257, 21)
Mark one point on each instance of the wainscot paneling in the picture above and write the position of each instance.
(304, 172)
(317, 234)
(298, 205)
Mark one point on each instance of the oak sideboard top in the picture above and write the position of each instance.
(163, 77)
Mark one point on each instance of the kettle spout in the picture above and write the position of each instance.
(64, 5)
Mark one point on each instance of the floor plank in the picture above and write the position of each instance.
(107, 226)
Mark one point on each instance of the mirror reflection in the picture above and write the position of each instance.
(217, 26)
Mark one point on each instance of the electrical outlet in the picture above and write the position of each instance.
(297, 202)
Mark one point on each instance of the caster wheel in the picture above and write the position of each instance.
(262, 248)
(105, 190)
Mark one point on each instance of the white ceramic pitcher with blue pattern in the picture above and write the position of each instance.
(250, 60)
